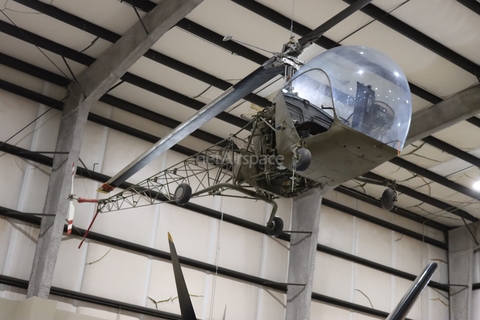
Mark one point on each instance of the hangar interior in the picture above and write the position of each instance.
(364, 258)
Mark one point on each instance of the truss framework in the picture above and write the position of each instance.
(208, 172)
(216, 170)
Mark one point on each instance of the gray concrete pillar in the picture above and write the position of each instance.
(70, 135)
(460, 270)
(303, 247)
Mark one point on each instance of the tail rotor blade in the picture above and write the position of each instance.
(314, 35)
(186, 307)
(70, 215)
(408, 300)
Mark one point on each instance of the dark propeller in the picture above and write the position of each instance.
(186, 307)
(399, 313)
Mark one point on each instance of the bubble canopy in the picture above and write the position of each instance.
(361, 87)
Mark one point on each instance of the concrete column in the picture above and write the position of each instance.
(70, 135)
(92, 84)
(303, 247)
(460, 270)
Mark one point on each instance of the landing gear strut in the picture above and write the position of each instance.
(182, 194)
(302, 159)
(388, 199)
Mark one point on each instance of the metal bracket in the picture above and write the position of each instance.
(305, 232)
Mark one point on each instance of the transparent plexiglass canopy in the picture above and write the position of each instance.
(362, 87)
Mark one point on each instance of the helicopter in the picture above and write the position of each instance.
(338, 116)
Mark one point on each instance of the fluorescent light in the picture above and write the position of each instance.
(476, 185)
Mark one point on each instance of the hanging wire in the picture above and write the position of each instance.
(31, 42)
(73, 75)
(470, 231)
(46, 56)
(139, 18)
(291, 20)
(217, 254)
(33, 121)
(367, 24)
(116, 85)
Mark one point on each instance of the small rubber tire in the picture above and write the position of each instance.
(388, 199)
(304, 157)
(275, 228)
(182, 194)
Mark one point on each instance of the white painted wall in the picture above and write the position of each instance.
(352, 282)
(117, 274)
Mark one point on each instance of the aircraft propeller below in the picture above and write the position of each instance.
(399, 313)
(186, 307)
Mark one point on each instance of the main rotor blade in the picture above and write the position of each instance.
(186, 307)
(260, 76)
(408, 300)
(314, 35)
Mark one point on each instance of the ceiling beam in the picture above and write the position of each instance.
(206, 34)
(448, 148)
(434, 177)
(170, 94)
(323, 42)
(420, 38)
(461, 106)
(58, 105)
(108, 99)
(156, 56)
(472, 5)
(474, 120)
(127, 77)
(33, 70)
(199, 31)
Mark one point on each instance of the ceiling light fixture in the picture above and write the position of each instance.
(476, 184)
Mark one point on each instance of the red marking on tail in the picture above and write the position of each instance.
(69, 227)
(88, 229)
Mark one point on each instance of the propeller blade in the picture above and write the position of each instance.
(314, 35)
(224, 313)
(408, 300)
(260, 76)
(186, 307)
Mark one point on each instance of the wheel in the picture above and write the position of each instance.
(389, 197)
(182, 194)
(304, 157)
(275, 228)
